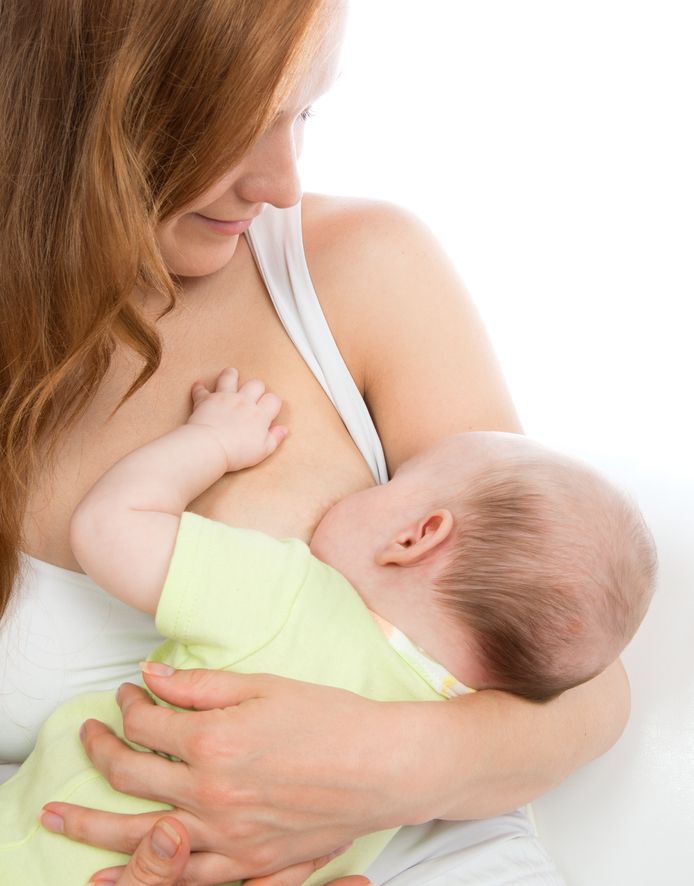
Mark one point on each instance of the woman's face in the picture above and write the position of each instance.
(201, 238)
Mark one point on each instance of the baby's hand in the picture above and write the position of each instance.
(240, 418)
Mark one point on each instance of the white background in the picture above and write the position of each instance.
(550, 146)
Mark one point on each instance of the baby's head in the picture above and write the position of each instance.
(516, 567)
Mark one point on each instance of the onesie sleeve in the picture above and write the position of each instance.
(228, 591)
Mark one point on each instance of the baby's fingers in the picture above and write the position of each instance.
(270, 405)
(252, 390)
(199, 393)
(275, 436)
(228, 380)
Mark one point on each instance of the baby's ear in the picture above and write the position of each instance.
(418, 540)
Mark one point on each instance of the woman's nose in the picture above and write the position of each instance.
(269, 172)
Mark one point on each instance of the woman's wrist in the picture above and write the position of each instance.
(490, 752)
(454, 760)
(425, 778)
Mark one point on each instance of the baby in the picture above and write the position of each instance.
(487, 562)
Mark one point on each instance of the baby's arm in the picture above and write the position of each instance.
(124, 530)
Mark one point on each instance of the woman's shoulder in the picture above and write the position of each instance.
(404, 323)
(370, 261)
(378, 251)
(320, 209)
(362, 233)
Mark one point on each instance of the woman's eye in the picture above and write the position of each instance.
(306, 113)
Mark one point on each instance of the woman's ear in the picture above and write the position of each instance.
(417, 540)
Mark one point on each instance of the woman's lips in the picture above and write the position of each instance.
(230, 228)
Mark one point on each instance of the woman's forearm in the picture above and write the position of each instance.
(495, 752)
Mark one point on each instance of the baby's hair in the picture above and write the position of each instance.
(550, 566)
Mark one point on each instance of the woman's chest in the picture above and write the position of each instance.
(232, 325)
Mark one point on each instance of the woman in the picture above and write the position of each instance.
(140, 145)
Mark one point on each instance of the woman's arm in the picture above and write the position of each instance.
(278, 772)
(273, 772)
(509, 751)
(409, 332)
(414, 341)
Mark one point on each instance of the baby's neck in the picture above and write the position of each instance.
(418, 614)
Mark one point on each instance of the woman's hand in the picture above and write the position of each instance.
(161, 857)
(272, 772)
(287, 878)
(275, 772)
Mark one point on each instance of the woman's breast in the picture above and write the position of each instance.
(284, 496)
(63, 635)
(287, 495)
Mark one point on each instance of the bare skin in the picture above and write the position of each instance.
(161, 857)
(225, 318)
(228, 319)
(435, 342)
(276, 794)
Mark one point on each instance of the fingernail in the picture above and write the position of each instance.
(165, 840)
(102, 883)
(52, 822)
(157, 668)
(83, 731)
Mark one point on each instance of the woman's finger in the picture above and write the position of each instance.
(208, 868)
(124, 833)
(297, 874)
(204, 690)
(134, 772)
(107, 830)
(159, 860)
(153, 726)
(177, 733)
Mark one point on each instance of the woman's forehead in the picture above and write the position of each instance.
(319, 68)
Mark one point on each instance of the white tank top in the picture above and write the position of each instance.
(62, 634)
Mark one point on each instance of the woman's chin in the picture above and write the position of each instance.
(199, 263)
(198, 255)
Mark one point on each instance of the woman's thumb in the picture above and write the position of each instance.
(159, 860)
(201, 689)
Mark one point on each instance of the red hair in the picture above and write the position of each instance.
(113, 115)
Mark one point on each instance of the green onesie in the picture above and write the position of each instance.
(234, 599)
